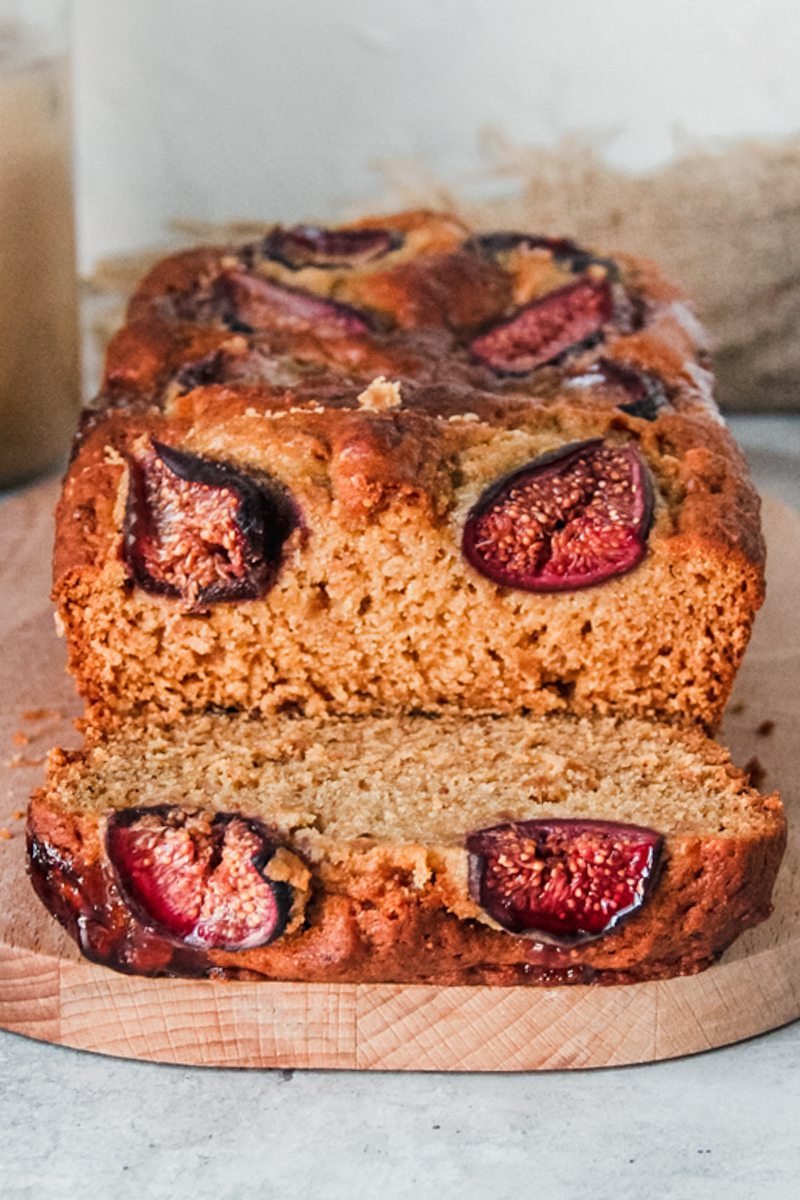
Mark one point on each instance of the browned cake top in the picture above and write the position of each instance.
(461, 319)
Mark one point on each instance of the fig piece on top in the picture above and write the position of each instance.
(564, 250)
(566, 319)
(316, 246)
(247, 302)
(642, 394)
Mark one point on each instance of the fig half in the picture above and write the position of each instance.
(568, 520)
(564, 250)
(199, 877)
(316, 246)
(247, 302)
(562, 880)
(566, 319)
(199, 529)
(642, 394)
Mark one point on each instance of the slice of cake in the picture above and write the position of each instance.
(447, 850)
(244, 551)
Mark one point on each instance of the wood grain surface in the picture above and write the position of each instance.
(48, 991)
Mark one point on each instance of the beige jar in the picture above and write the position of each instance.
(39, 375)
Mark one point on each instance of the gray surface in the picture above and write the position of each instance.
(724, 1124)
(721, 1125)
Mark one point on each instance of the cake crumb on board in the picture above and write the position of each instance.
(25, 760)
(42, 714)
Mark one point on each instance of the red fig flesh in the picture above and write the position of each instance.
(568, 520)
(248, 302)
(542, 331)
(198, 877)
(200, 530)
(562, 880)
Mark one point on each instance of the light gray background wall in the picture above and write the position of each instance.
(225, 108)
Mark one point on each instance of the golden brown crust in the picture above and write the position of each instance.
(424, 301)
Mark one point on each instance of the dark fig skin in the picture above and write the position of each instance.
(518, 537)
(562, 321)
(316, 246)
(648, 395)
(563, 250)
(263, 519)
(565, 881)
(182, 899)
(202, 372)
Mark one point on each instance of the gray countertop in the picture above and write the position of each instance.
(724, 1124)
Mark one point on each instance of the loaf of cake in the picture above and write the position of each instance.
(401, 567)
(400, 467)
(445, 850)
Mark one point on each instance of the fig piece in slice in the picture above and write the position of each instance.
(199, 529)
(562, 880)
(315, 246)
(565, 319)
(247, 302)
(568, 520)
(198, 877)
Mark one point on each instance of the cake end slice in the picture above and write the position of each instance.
(440, 850)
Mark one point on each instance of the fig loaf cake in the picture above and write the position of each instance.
(399, 466)
(448, 850)
(401, 568)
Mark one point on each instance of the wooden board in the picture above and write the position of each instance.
(48, 992)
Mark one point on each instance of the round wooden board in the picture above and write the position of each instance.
(48, 991)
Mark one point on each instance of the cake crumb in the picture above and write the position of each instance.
(755, 771)
(22, 760)
(381, 394)
(765, 728)
(18, 814)
(21, 739)
(737, 709)
(42, 714)
(5, 834)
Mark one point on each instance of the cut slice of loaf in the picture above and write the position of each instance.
(373, 606)
(370, 818)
